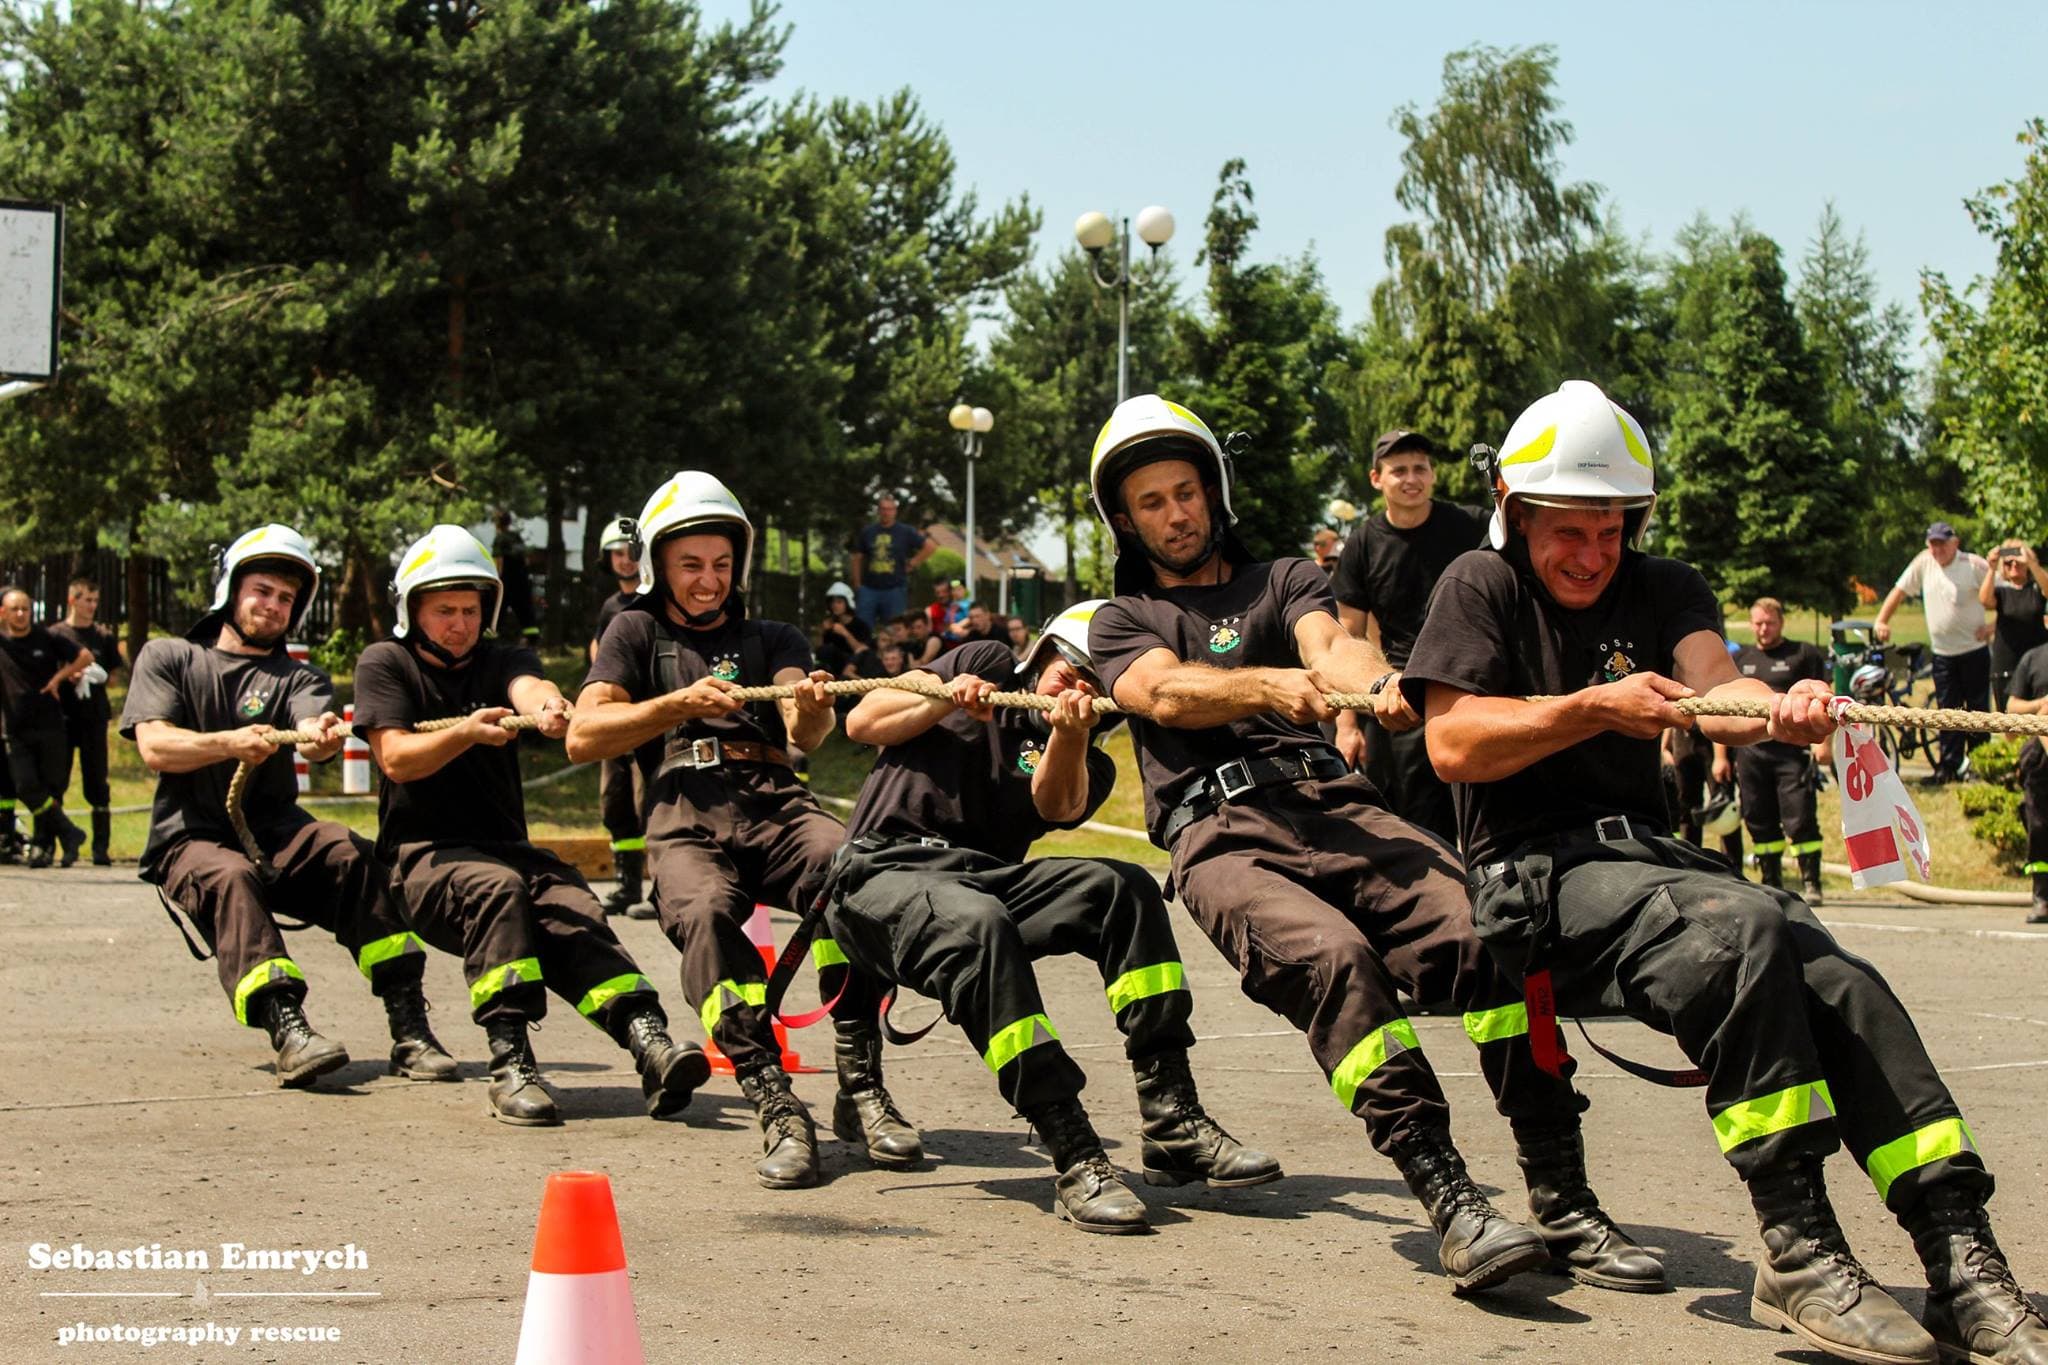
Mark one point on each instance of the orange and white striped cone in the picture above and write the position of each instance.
(579, 1304)
(762, 934)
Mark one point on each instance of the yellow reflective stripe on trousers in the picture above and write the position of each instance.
(264, 973)
(2032, 869)
(1492, 1026)
(1388, 1040)
(381, 950)
(1763, 846)
(1813, 846)
(1013, 1040)
(743, 993)
(522, 971)
(825, 953)
(637, 844)
(1945, 1138)
(1141, 982)
(604, 992)
(1748, 1120)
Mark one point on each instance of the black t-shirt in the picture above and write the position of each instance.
(197, 687)
(625, 659)
(2018, 626)
(968, 782)
(885, 553)
(105, 652)
(2029, 680)
(1245, 623)
(613, 605)
(1494, 632)
(857, 628)
(475, 798)
(1391, 572)
(27, 663)
(1785, 663)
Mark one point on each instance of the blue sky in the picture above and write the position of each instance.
(1894, 111)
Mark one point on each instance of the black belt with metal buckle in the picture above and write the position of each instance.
(1608, 829)
(1228, 781)
(875, 843)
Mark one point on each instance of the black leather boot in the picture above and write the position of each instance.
(69, 836)
(625, 883)
(416, 1053)
(10, 836)
(670, 1072)
(102, 836)
(1770, 869)
(302, 1055)
(1810, 1284)
(2037, 914)
(1809, 879)
(1584, 1242)
(1481, 1245)
(1976, 1310)
(1181, 1142)
(1086, 1192)
(789, 1143)
(517, 1095)
(863, 1110)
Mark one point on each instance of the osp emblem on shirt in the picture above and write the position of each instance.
(254, 705)
(1616, 662)
(1028, 756)
(1224, 636)
(725, 668)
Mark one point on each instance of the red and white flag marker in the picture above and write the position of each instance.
(579, 1305)
(1881, 826)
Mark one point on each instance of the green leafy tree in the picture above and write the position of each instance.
(1754, 494)
(1992, 376)
(1257, 356)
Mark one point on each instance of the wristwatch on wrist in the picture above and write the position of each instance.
(1380, 682)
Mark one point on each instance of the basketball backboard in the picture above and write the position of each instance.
(31, 280)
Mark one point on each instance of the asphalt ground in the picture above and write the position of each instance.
(134, 1111)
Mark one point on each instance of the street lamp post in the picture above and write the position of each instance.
(1096, 233)
(972, 424)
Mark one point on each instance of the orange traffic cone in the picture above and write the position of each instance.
(762, 933)
(579, 1306)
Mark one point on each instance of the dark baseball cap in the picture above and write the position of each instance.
(1941, 530)
(1391, 441)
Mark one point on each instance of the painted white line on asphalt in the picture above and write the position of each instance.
(1936, 929)
(295, 1294)
(1999, 1066)
(110, 1294)
(140, 1099)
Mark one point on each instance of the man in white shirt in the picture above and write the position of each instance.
(1947, 580)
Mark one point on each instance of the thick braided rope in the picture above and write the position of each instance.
(239, 783)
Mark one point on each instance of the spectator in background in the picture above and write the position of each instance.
(921, 644)
(1327, 546)
(843, 638)
(884, 553)
(894, 664)
(938, 613)
(957, 602)
(36, 668)
(621, 781)
(509, 552)
(2014, 590)
(2029, 697)
(1947, 580)
(977, 624)
(87, 716)
(1021, 638)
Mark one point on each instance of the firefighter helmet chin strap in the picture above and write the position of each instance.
(448, 659)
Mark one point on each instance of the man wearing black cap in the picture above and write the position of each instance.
(1947, 579)
(1384, 578)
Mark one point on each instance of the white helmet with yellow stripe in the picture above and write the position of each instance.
(1146, 429)
(1572, 448)
(693, 500)
(1066, 633)
(447, 557)
(273, 548)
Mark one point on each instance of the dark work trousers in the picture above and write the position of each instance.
(1398, 764)
(2033, 775)
(40, 761)
(619, 792)
(523, 922)
(1775, 783)
(1804, 1045)
(327, 875)
(87, 733)
(719, 842)
(1326, 903)
(1961, 682)
(964, 927)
